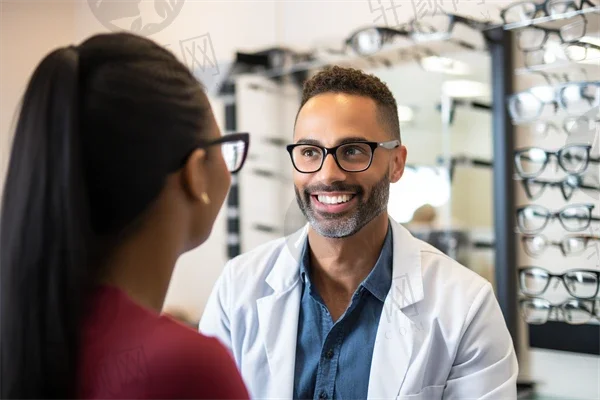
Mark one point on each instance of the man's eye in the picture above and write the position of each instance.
(353, 151)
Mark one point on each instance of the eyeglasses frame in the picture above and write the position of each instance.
(389, 145)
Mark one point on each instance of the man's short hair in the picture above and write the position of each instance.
(352, 81)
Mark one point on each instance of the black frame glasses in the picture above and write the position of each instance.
(529, 10)
(530, 38)
(572, 280)
(538, 311)
(569, 245)
(534, 188)
(579, 212)
(531, 162)
(240, 138)
(389, 145)
(529, 104)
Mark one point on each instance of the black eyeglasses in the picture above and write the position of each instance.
(534, 188)
(571, 97)
(531, 162)
(535, 37)
(570, 245)
(580, 283)
(527, 10)
(537, 311)
(234, 148)
(356, 156)
(533, 218)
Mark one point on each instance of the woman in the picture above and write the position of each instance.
(116, 170)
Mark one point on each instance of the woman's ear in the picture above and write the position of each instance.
(397, 163)
(193, 176)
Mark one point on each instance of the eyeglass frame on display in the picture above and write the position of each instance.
(556, 215)
(556, 101)
(566, 45)
(560, 244)
(563, 184)
(540, 6)
(558, 155)
(389, 145)
(561, 277)
(234, 137)
(548, 32)
(594, 313)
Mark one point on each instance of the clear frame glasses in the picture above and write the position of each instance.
(580, 283)
(574, 217)
(577, 51)
(537, 311)
(569, 245)
(354, 156)
(571, 97)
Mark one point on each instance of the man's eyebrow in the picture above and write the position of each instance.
(345, 140)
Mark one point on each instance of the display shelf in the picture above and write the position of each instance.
(556, 66)
(558, 17)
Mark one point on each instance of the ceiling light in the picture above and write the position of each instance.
(465, 88)
(445, 65)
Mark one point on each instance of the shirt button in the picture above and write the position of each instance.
(329, 354)
(323, 396)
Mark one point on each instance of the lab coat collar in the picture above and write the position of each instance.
(406, 272)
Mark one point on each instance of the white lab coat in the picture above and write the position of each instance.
(441, 334)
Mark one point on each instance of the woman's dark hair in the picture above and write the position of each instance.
(101, 126)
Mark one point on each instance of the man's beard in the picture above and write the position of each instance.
(345, 224)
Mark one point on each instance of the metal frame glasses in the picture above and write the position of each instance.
(308, 150)
(538, 311)
(580, 283)
(570, 97)
(534, 218)
(569, 245)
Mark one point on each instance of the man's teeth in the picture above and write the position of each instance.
(334, 199)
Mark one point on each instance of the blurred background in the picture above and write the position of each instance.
(464, 74)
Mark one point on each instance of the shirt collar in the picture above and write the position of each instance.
(379, 280)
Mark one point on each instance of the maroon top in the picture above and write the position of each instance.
(129, 352)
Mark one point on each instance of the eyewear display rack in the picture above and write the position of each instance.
(549, 326)
(499, 46)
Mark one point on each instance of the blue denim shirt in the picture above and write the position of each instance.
(333, 360)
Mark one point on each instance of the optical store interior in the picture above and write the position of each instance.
(499, 109)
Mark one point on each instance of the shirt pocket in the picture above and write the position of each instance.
(428, 393)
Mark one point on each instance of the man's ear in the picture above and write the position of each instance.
(193, 175)
(397, 163)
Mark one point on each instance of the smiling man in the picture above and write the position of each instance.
(352, 306)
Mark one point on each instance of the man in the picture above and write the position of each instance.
(353, 306)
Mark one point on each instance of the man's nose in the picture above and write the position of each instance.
(331, 172)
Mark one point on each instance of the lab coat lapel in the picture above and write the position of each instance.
(396, 332)
(278, 316)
